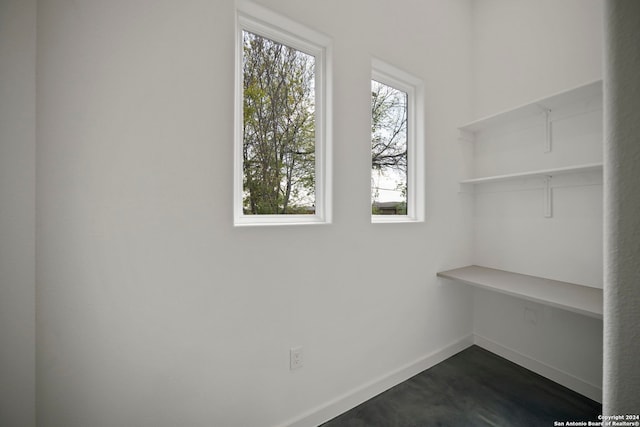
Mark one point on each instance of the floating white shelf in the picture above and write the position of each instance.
(568, 296)
(591, 167)
(581, 93)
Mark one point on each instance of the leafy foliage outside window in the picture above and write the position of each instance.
(278, 128)
(388, 150)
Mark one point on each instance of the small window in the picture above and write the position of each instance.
(396, 147)
(282, 148)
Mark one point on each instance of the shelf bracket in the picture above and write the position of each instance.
(548, 139)
(548, 197)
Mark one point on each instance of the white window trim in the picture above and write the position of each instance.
(264, 22)
(389, 75)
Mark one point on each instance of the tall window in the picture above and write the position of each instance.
(281, 122)
(396, 147)
(278, 145)
(388, 150)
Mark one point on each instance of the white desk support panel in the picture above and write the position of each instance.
(568, 296)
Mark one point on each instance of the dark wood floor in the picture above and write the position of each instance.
(472, 388)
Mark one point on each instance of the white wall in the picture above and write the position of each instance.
(17, 212)
(153, 309)
(525, 50)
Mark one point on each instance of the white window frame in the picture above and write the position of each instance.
(398, 79)
(256, 19)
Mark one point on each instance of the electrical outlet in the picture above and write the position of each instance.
(296, 359)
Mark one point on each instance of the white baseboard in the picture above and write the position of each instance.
(563, 378)
(353, 398)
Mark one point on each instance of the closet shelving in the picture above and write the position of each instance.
(590, 167)
(549, 103)
(577, 298)
(568, 296)
(541, 107)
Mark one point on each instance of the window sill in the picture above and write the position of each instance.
(393, 219)
(269, 220)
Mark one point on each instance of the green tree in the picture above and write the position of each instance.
(279, 128)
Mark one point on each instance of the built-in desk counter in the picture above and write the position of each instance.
(581, 299)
